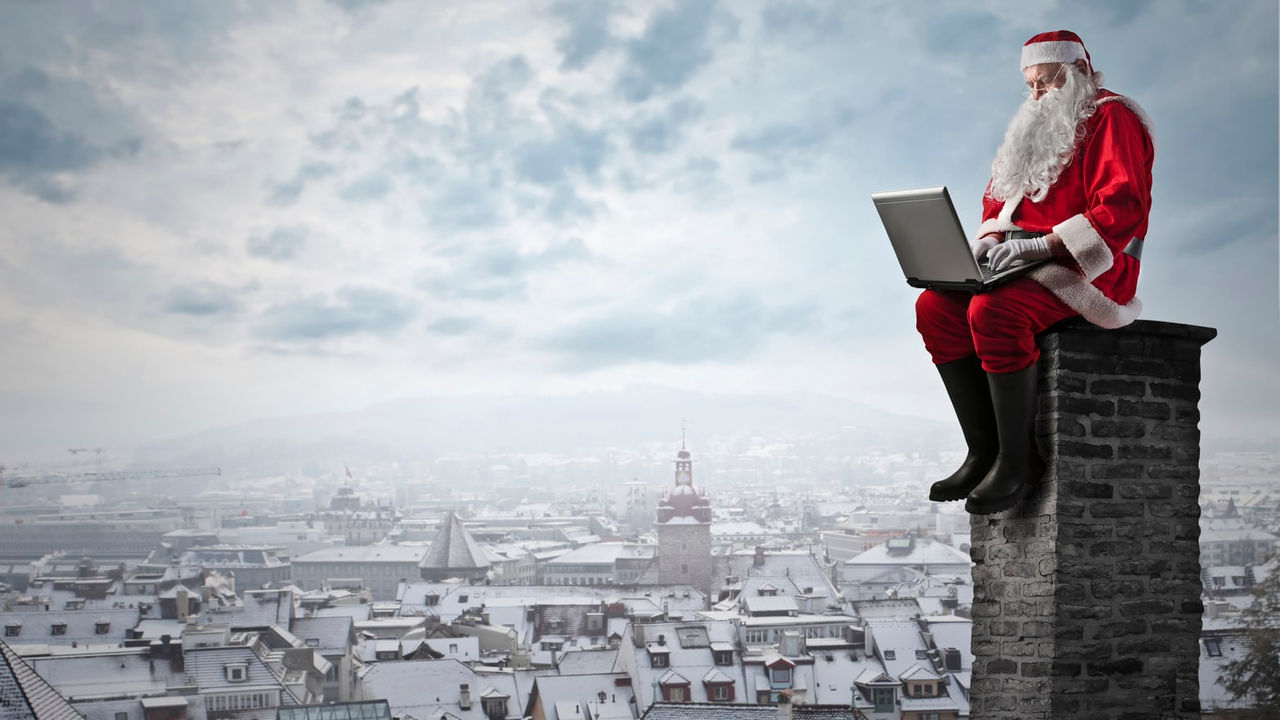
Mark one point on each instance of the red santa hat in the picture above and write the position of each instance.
(1058, 46)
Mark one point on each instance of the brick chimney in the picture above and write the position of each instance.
(1087, 597)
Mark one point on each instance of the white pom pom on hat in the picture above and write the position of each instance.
(1061, 46)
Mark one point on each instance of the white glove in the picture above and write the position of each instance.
(983, 245)
(1006, 254)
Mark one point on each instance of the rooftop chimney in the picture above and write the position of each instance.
(1087, 596)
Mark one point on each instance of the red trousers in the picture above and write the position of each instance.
(999, 326)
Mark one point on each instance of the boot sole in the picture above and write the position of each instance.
(1004, 503)
(941, 497)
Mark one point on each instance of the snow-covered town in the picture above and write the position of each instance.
(530, 595)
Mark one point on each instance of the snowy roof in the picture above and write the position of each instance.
(922, 551)
(24, 695)
(365, 554)
(331, 635)
(431, 688)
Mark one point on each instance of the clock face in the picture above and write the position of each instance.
(682, 478)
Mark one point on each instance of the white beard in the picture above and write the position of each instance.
(1041, 139)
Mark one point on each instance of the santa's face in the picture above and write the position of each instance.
(1044, 77)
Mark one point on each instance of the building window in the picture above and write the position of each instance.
(780, 675)
(724, 657)
(675, 694)
(721, 692)
(12, 630)
(684, 569)
(101, 628)
(658, 660)
(58, 629)
(495, 707)
(238, 672)
(1213, 647)
(122, 716)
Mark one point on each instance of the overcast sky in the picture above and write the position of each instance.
(221, 211)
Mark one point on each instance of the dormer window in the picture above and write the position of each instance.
(890, 655)
(780, 675)
(101, 628)
(659, 658)
(237, 672)
(12, 630)
(495, 707)
(58, 629)
(723, 657)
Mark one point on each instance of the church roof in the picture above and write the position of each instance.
(24, 695)
(453, 547)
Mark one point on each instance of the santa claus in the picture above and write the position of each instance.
(1070, 183)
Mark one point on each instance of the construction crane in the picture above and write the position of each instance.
(24, 480)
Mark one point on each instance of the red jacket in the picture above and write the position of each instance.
(1099, 204)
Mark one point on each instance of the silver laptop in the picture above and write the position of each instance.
(932, 247)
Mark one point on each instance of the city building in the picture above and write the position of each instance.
(684, 532)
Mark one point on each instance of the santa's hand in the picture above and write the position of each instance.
(983, 245)
(1004, 255)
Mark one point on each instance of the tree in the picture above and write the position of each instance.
(1254, 679)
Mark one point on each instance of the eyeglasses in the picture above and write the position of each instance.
(1041, 84)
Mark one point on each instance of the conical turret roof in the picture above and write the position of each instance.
(454, 549)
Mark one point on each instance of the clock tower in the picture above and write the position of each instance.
(684, 532)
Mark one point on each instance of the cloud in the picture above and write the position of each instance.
(674, 46)
(284, 243)
(725, 329)
(781, 144)
(286, 193)
(373, 186)
(351, 311)
(571, 148)
(662, 133)
(498, 272)
(201, 299)
(799, 21)
(454, 325)
(588, 34)
(32, 148)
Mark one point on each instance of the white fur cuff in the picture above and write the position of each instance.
(1087, 247)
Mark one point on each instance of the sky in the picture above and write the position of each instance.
(220, 212)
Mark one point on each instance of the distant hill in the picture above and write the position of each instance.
(423, 429)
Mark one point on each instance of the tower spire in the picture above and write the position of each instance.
(682, 426)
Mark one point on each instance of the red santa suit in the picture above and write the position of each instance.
(1099, 207)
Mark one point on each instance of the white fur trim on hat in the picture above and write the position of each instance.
(1087, 247)
(1051, 51)
(1083, 297)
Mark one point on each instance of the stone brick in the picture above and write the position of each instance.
(1117, 510)
(1125, 388)
(1127, 429)
(1085, 450)
(1175, 391)
(1174, 472)
(1122, 666)
(1117, 471)
(1128, 451)
(1146, 490)
(1142, 409)
(1088, 489)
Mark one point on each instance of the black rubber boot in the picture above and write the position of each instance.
(966, 384)
(1018, 466)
